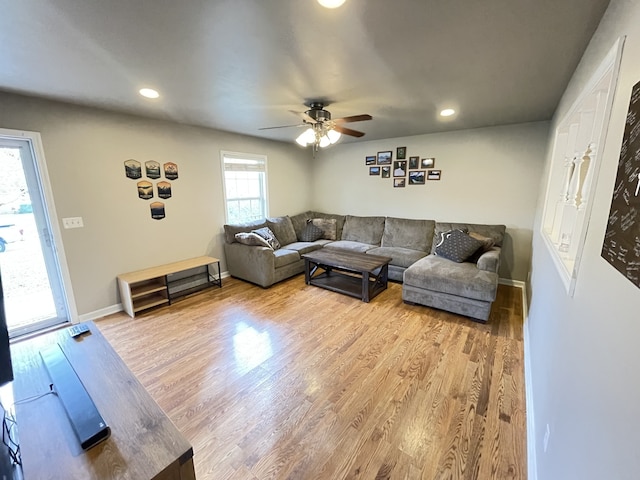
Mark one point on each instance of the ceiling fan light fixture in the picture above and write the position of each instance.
(334, 136)
(306, 137)
(149, 93)
(324, 141)
(331, 3)
(447, 112)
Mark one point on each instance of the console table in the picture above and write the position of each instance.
(144, 289)
(144, 443)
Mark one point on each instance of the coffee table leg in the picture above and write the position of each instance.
(307, 277)
(365, 287)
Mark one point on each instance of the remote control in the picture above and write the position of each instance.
(79, 329)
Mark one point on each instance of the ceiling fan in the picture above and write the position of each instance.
(322, 131)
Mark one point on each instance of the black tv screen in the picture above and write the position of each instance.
(6, 369)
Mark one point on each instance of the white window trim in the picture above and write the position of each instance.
(568, 264)
(243, 156)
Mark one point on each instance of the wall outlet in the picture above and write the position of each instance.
(72, 222)
(545, 442)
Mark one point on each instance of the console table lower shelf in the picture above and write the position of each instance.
(151, 287)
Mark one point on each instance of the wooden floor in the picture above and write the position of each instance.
(296, 382)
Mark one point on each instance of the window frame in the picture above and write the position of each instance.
(261, 158)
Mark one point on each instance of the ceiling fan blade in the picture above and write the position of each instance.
(305, 116)
(348, 131)
(283, 126)
(354, 118)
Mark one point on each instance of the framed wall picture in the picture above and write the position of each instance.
(401, 153)
(170, 171)
(400, 168)
(145, 190)
(370, 160)
(164, 189)
(386, 172)
(374, 170)
(414, 163)
(399, 182)
(433, 175)
(152, 168)
(417, 177)
(132, 169)
(428, 163)
(384, 158)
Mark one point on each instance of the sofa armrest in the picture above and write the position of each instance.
(490, 260)
(250, 263)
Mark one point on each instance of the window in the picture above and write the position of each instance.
(245, 186)
(578, 146)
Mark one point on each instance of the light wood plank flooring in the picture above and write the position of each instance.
(296, 382)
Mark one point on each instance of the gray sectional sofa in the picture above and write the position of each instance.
(467, 288)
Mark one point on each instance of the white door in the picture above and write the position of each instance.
(32, 271)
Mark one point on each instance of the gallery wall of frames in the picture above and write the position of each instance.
(412, 170)
(153, 171)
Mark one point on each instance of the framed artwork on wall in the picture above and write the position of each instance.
(374, 170)
(399, 182)
(370, 160)
(414, 163)
(384, 158)
(428, 163)
(433, 175)
(417, 177)
(400, 168)
(401, 153)
(386, 172)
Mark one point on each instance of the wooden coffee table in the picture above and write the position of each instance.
(356, 274)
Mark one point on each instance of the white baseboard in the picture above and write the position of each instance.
(103, 312)
(532, 465)
(512, 283)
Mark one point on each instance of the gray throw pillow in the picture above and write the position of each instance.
(269, 236)
(253, 239)
(457, 246)
(311, 233)
(328, 227)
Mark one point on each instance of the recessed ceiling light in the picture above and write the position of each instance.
(149, 93)
(331, 3)
(447, 112)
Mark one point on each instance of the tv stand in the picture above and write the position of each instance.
(144, 443)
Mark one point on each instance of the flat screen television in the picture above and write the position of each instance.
(6, 369)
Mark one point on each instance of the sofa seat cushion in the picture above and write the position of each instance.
(284, 256)
(462, 279)
(282, 228)
(400, 257)
(306, 247)
(366, 230)
(351, 246)
(408, 233)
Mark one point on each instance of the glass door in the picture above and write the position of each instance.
(33, 285)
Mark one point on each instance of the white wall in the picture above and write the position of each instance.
(85, 149)
(584, 350)
(489, 175)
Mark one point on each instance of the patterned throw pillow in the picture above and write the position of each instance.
(311, 233)
(457, 246)
(253, 239)
(328, 227)
(269, 236)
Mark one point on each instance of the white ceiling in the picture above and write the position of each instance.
(238, 65)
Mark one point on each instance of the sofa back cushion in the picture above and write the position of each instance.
(282, 228)
(231, 230)
(299, 223)
(408, 233)
(494, 232)
(363, 229)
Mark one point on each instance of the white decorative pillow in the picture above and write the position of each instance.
(253, 239)
(269, 236)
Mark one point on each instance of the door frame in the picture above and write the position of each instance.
(40, 164)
